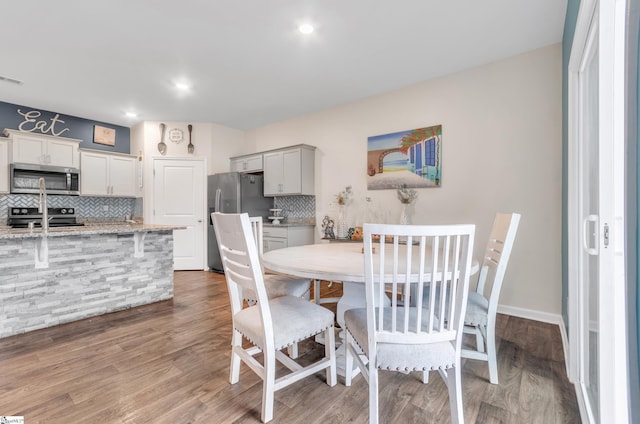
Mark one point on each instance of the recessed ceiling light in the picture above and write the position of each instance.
(131, 114)
(182, 86)
(306, 28)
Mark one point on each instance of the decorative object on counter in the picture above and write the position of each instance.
(176, 135)
(407, 197)
(328, 228)
(342, 222)
(350, 233)
(276, 216)
(162, 148)
(409, 158)
(357, 234)
(343, 198)
(190, 147)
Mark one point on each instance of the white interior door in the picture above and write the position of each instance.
(179, 199)
(596, 206)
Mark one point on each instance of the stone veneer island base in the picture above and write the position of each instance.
(87, 271)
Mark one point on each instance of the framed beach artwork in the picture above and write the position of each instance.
(410, 159)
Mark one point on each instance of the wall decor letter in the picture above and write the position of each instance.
(31, 123)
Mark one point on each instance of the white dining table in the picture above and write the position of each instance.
(332, 262)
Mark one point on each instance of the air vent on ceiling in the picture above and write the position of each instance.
(11, 80)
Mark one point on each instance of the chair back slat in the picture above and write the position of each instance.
(496, 255)
(241, 263)
(411, 260)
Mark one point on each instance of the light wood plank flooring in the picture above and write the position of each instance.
(168, 363)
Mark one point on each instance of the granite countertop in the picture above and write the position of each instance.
(88, 229)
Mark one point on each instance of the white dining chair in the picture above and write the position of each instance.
(276, 284)
(480, 318)
(271, 324)
(413, 336)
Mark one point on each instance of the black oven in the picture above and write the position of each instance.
(25, 178)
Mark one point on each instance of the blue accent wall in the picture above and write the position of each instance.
(79, 128)
(567, 40)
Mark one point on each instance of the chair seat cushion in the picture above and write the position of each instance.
(477, 310)
(294, 319)
(281, 285)
(400, 357)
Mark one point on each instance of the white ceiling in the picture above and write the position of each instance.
(247, 63)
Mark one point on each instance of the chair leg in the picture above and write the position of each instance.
(479, 340)
(373, 393)
(348, 359)
(425, 377)
(234, 373)
(454, 384)
(330, 352)
(492, 354)
(268, 386)
(316, 291)
(293, 351)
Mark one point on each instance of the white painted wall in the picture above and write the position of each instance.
(215, 142)
(501, 152)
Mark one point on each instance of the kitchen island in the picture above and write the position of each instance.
(70, 273)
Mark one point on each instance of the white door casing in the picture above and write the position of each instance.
(598, 233)
(179, 198)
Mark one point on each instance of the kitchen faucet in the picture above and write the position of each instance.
(42, 205)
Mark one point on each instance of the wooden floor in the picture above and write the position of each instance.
(168, 363)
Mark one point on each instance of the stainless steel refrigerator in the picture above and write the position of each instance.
(233, 192)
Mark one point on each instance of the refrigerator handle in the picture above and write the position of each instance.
(217, 202)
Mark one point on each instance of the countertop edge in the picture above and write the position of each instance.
(10, 233)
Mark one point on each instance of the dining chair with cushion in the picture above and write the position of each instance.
(276, 284)
(271, 324)
(480, 318)
(412, 336)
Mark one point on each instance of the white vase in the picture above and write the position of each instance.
(405, 215)
(343, 226)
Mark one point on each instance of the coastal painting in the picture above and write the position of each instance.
(410, 159)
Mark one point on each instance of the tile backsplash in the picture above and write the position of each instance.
(297, 208)
(110, 208)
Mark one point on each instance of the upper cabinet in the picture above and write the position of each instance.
(4, 165)
(289, 171)
(43, 149)
(107, 174)
(250, 163)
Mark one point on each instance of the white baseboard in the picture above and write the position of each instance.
(531, 314)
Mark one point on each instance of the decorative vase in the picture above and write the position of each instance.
(343, 226)
(405, 216)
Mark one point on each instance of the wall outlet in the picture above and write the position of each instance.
(105, 208)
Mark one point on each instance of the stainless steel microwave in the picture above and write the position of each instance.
(25, 178)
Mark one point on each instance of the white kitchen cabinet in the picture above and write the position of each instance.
(289, 171)
(278, 237)
(4, 165)
(41, 149)
(107, 174)
(252, 163)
